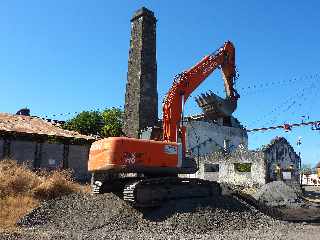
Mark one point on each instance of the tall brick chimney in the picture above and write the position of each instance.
(141, 100)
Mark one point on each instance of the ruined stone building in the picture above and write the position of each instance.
(40, 144)
(283, 161)
(275, 161)
(141, 100)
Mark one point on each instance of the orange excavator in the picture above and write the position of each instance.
(145, 172)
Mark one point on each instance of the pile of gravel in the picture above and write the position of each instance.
(106, 216)
(277, 193)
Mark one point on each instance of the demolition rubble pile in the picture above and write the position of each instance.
(278, 193)
(79, 216)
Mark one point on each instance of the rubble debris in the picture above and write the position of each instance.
(278, 193)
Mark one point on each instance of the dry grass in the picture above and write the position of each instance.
(86, 188)
(16, 179)
(14, 207)
(22, 190)
(250, 191)
(56, 184)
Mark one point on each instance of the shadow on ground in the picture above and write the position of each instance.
(308, 214)
(304, 212)
(312, 194)
(181, 206)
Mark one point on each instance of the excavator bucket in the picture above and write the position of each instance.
(215, 107)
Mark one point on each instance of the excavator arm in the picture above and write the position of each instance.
(188, 81)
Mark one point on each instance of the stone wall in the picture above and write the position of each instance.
(276, 161)
(282, 160)
(141, 99)
(228, 172)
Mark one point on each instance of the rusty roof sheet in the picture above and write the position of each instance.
(35, 125)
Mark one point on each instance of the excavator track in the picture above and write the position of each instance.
(153, 192)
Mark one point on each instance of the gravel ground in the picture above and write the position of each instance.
(107, 217)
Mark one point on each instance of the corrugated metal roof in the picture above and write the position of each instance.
(35, 125)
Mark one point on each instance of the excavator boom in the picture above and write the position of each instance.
(186, 82)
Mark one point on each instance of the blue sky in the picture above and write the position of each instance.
(66, 56)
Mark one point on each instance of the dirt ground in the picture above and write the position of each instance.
(310, 212)
(312, 193)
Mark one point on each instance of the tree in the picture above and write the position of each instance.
(306, 169)
(86, 123)
(113, 122)
(107, 123)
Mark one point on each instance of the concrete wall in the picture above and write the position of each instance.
(78, 161)
(23, 151)
(200, 132)
(51, 155)
(1, 148)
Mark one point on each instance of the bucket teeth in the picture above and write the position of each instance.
(215, 107)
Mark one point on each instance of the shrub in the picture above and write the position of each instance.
(56, 184)
(13, 208)
(21, 189)
(16, 179)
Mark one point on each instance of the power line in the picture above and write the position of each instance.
(256, 87)
(289, 102)
(48, 115)
(298, 101)
(246, 90)
(288, 127)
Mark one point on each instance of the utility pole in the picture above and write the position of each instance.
(300, 162)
